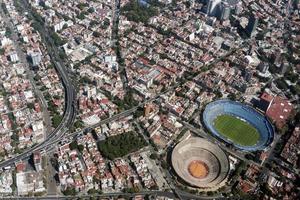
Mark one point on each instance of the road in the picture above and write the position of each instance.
(185, 196)
(115, 42)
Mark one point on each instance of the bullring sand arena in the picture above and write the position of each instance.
(200, 163)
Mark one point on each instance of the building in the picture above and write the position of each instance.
(222, 9)
(225, 11)
(263, 67)
(37, 160)
(252, 24)
(36, 58)
(277, 108)
(213, 7)
(13, 57)
(5, 41)
(247, 74)
(238, 8)
(291, 149)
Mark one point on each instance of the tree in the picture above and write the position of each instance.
(8, 32)
(232, 96)
(164, 164)
(15, 137)
(80, 148)
(96, 34)
(69, 191)
(2, 51)
(131, 190)
(281, 84)
(81, 6)
(78, 124)
(30, 106)
(62, 55)
(93, 23)
(56, 39)
(4, 8)
(81, 16)
(153, 156)
(121, 145)
(54, 163)
(138, 113)
(209, 193)
(73, 145)
(91, 10)
(56, 119)
(137, 12)
(65, 26)
(92, 191)
(218, 94)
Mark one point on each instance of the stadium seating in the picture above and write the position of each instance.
(245, 112)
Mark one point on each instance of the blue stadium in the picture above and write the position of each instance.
(242, 111)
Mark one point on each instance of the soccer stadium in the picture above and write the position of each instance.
(238, 124)
(200, 163)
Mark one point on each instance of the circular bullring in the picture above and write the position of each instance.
(200, 163)
(238, 124)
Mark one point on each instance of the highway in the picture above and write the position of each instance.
(70, 98)
(70, 113)
(60, 132)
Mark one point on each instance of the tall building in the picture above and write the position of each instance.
(221, 8)
(225, 11)
(252, 24)
(213, 7)
(36, 58)
(37, 160)
(284, 67)
(238, 8)
(263, 67)
(247, 75)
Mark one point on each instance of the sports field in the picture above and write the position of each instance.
(236, 130)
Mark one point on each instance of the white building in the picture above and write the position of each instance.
(14, 57)
(5, 41)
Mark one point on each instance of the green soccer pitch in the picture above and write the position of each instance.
(236, 130)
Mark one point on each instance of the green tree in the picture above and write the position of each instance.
(91, 10)
(164, 164)
(73, 145)
(2, 51)
(153, 156)
(81, 16)
(96, 34)
(80, 147)
(56, 119)
(30, 105)
(121, 145)
(78, 124)
(92, 191)
(135, 11)
(69, 191)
